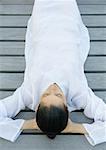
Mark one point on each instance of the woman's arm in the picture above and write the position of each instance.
(73, 127)
(9, 108)
(30, 124)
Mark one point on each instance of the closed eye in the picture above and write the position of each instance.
(46, 94)
(57, 94)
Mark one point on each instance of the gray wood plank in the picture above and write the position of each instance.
(21, 2)
(10, 34)
(16, 9)
(32, 2)
(95, 21)
(17, 48)
(102, 95)
(97, 33)
(27, 9)
(14, 80)
(97, 48)
(12, 48)
(19, 33)
(96, 80)
(16, 21)
(41, 142)
(12, 64)
(92, 9)
(10, 80)
(95, 64)
(21, 21)
(4, 94)
(18, 64)
(91, 2)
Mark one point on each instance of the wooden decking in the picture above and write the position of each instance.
(14, 15)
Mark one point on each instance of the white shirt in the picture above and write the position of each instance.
(57, 45)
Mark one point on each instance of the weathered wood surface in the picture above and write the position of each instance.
(32, 2)
(41, 142)
(27, 9)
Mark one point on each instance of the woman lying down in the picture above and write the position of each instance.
(57, 45)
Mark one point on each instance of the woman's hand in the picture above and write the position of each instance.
(30, 124)
(74, 128)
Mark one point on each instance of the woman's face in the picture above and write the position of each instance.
(53, 95)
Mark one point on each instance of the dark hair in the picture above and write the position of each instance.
(52, 120)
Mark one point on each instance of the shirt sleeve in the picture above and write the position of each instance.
(96, 132)
(10, 129)
(95, 108)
